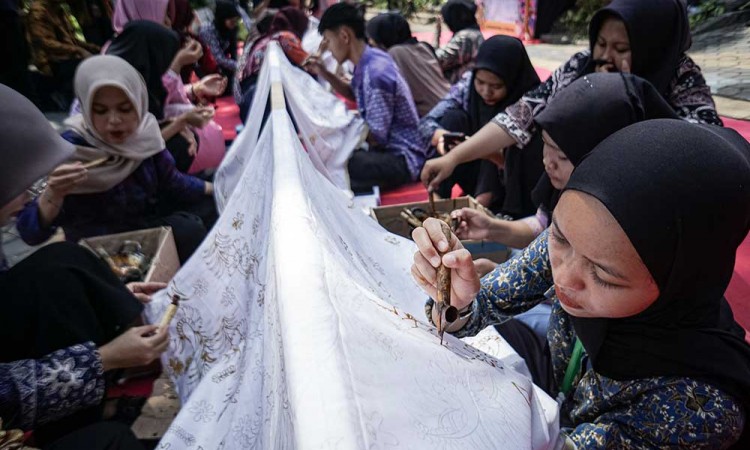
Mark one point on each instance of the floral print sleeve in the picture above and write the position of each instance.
(37, 391)
(210, 37)
(661, 412)
(691, 97)
(457, 98)
(518, 119)
(513, 287)
(458, 55)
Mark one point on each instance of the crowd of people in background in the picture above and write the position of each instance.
(561, 162)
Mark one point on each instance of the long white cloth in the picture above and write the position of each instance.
(300, 328)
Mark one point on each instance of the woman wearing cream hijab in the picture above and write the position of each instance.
(120, 178)
(63, 311)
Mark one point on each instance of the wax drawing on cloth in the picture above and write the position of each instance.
(301, 328)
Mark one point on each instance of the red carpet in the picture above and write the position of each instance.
(445, 36)
(228, 116)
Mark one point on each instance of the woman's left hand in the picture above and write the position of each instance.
(210, 86)
(144, 291)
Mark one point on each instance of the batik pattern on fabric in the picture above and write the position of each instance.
(298, 308)
(457, 56)
(34, 392)
(606, 413)
(689, 96)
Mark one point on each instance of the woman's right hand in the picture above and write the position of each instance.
(437, 135)
(63, 180)
(137, 346)
(199, 116)
(431, 243)
(472, 224)
(436, 170)
(188, 55)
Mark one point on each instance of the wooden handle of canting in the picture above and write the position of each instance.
(168, 316)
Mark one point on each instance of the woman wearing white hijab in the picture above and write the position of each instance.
(133, 183)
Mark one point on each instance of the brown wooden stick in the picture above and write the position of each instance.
(96, 162)
(448, 314)
(171, 311)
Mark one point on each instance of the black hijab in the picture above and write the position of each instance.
(506, 57)
(459, 15)
(389, 29)
(588, 111)
(659, 35)
(681, 193)
(226, 9)
(150, 48)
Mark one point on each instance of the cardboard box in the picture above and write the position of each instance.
(157, 244)
(389, 217)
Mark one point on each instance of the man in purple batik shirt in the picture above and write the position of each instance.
(396, 151)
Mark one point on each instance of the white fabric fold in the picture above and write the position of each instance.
(301, 328)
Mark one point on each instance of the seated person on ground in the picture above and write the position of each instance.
(642, 349)
(66, 317)
(220, 36)
(457, 56)
(287, 28)
(56, 51)
(415, 60)
(646, 37)
(134, 183)
(396, 150)
(502, 73)
(576, 121)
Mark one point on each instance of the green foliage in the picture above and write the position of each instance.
(707, 10)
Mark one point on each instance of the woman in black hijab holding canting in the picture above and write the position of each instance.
(642, 350)
(503, 72)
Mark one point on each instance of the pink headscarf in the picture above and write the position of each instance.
(128, 10)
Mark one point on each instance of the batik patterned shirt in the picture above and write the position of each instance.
(385, 102)
(219, 49)
(458, 55)
(689, 96)
(37, 391)
(659, 412)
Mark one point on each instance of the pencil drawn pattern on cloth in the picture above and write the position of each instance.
(307, 311)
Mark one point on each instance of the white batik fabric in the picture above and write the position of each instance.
(300, 327)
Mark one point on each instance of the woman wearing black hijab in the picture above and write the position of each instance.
(220, 36)
(457, 56)
(65, 316)
(415, 60)
(645, 37)
(576, 120)
(643, 349)
(502, 74)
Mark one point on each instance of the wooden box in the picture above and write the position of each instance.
(389, 217)
(157, 244)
